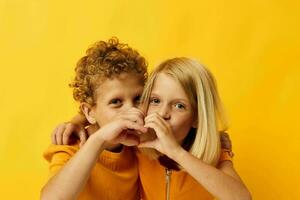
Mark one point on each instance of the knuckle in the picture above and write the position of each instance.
(67, 134)
(69, 125)
(62, 124)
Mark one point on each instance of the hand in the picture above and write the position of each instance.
(165, 142)
(225, 141)
(124, 129)
(68, 133)
(226, 144)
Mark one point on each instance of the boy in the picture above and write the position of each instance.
(108, 83)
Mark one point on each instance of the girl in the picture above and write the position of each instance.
(184, 110)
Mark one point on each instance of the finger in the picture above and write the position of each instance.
(162, 120)
(148, 144)
(150, 119)
(136, 110)
(59, 134)
(83, 137)
(130, 140)
(150, 116)
(67, 133)
(225, 141)
(154, 118)
(134, 118)
(127, 139)
(157, 119)
(53, 138)
(135, 126)
(157, 116)
(159, 131)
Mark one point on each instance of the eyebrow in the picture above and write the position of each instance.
(176, 99)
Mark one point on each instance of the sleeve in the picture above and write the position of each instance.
(58, 156)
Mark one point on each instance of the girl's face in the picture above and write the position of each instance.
(170, 101)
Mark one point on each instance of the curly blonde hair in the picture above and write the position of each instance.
(105, 60)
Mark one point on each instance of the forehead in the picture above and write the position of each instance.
(124, 83)
(167, 85)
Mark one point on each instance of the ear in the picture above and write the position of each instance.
(89, 112)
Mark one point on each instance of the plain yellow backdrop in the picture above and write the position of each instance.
(252, 47)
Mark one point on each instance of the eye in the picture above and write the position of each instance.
(154, 101)
(137, 100)
(115, 102)
(180, 106)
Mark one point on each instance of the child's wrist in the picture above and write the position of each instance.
(98, 138)
(116, 148)
(177, 153)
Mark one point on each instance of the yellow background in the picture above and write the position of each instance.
(252, 47)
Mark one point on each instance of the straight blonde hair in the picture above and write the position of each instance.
(200, 87)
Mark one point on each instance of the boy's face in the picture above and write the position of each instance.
(115, 95)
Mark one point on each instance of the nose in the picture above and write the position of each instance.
(128, 105)
(164, 112)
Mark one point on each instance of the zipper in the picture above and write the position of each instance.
(168, 182)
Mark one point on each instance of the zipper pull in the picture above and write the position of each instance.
(168, 182)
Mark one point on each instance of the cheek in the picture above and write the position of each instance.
(181, 127)
(152, 109)
(105, 115)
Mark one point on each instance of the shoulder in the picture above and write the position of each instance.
(62, 150)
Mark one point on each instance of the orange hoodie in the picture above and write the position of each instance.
(155, 179)
(116, 176)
